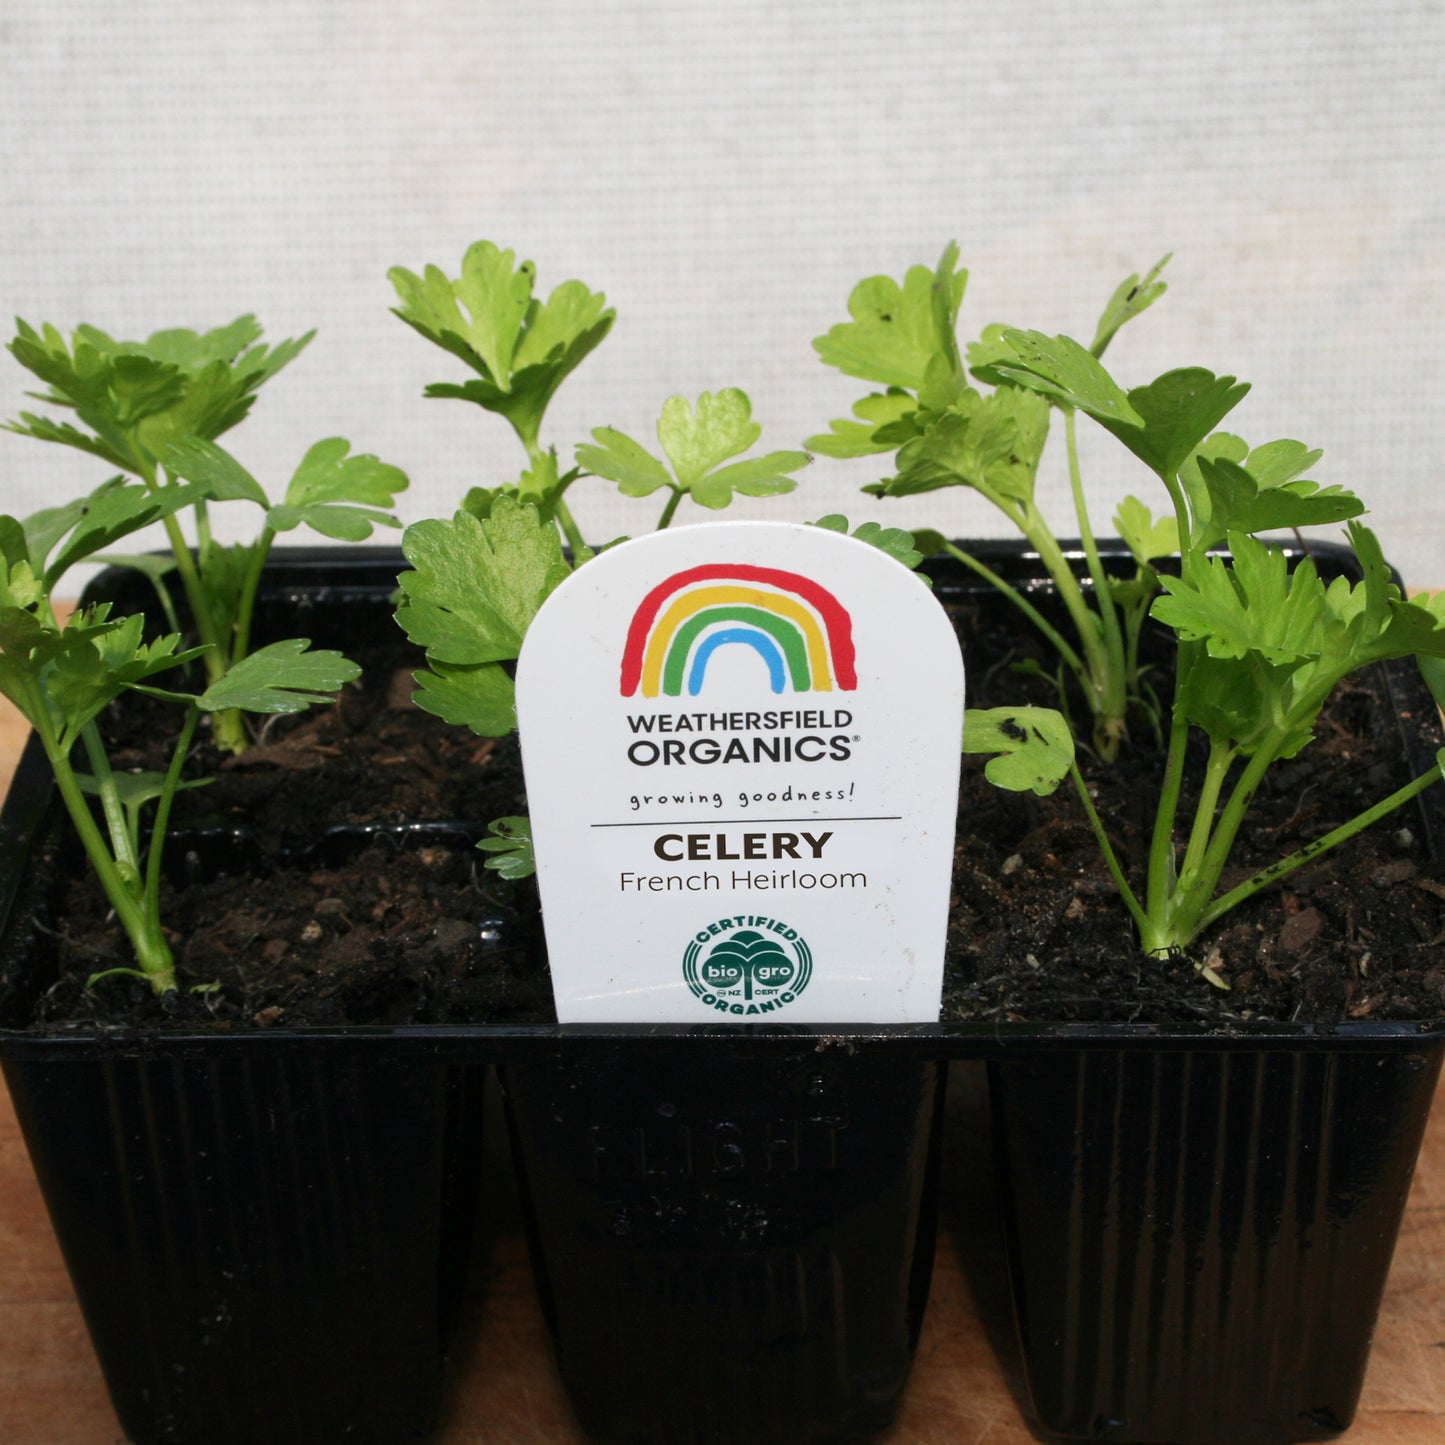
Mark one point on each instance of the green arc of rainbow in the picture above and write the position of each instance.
(784, 633)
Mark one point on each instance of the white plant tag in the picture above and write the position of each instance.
(741, 747)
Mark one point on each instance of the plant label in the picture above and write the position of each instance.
(741, 747)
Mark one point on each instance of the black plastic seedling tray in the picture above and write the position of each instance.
(731, 1225)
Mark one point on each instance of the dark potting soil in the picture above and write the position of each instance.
(418, 932)
(1037, 930)
(372, 758)
(402, 931)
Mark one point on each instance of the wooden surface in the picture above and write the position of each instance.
(965, 1387)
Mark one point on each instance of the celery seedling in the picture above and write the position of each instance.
(62, 677)
(946, 432)
(153, 408)
(1260, 650)
(334, 493)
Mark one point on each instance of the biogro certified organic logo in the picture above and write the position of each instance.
(747, 965)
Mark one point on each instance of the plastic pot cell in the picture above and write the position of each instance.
(255, 1231)
(728, 1245)
(1199, 1235)
(266, 1230)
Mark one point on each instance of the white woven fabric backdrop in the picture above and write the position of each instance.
(725, 174)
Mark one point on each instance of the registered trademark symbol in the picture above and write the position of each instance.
(856, 738)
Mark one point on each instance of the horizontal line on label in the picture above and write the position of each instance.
(716, 822)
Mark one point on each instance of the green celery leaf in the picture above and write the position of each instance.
(943, 383)
(765, 476)
(993, 443)
(46, 354)
(698, 442)
(42, 531)
(13, 543)
(28, 645)
(697, 439)
(861, 438)
(495, 293)
(479, 501)
(1252, 605)
(1275, 463)
(1378, 585)
(896, 329)
(43, 429)
(135, 790)
(488, 318)
(1064, 371)
(115, 509)
(22, 633)
(20, 587)
(215, 400)
(140, 387)
(1178, 411)
(894, 542)
(561, 333)
(525, 404)
(339, 495)
(1238, 504)
(943, 375)
(616, 457)
(991, 349)
(481, 697)
(335, 520)
(1416, 628)
(94, 659)
(189, 351)
(533, 388)
(1145, 537)
(140, 397)
(482, 393)
(283, 677)
(429, 306)
(477, 584)
(224, 571)
(510, 846)
(1034, 744)
(1132, 297)
(1234, 700)
(111, 513)
(1383, 623)
(1363, 622)
(1220, 445)
(214, 471)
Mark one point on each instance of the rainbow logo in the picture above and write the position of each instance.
(798, 628)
